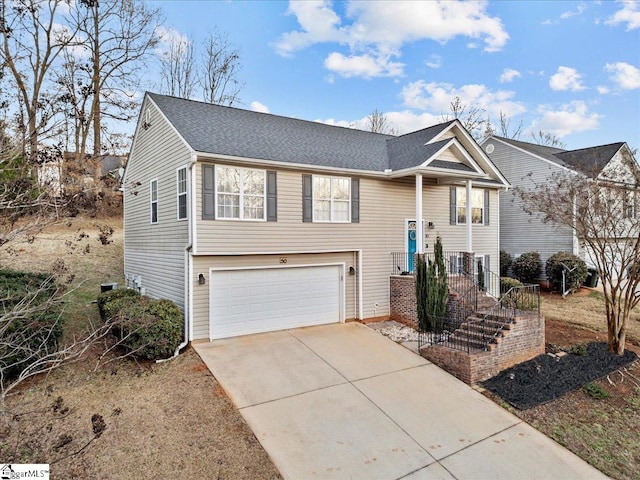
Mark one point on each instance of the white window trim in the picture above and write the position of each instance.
(152, 201)
(313, 199)
(185, 194)
(458, 222)
(241, 195)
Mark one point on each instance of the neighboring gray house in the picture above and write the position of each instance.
(524, 164)
(253, 222)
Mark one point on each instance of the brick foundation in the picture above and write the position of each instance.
(402, 300)
(523, 342)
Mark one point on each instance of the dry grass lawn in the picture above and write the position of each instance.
(160, 420)
(586, 309)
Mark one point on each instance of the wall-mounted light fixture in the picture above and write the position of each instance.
(201, 279)
(431, 226)
(352, 271)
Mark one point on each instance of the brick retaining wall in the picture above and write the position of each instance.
(523, 342)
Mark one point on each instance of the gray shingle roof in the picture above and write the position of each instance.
(413, 148)
(589, 161)
(592, 160)
(220, 130)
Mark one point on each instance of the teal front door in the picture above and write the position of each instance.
(411, 244)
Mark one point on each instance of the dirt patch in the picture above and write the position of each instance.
(155, 420)
(548, 377)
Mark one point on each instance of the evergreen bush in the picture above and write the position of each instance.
(149, 329)
(505, 263)
(527, 267)
(431, 291)
(575, 274)
(35, 331)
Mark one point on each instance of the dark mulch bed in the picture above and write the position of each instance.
(546, 378)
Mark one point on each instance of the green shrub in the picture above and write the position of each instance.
(505, 263)
(573, 278)
(431, 290)
(579, 350)
(527, 267)
(105, 299)
(596, 391)
(514, 297)
(149, 329)
(35, 332)
(507, 283)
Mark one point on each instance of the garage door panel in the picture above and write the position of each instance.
(259, 300)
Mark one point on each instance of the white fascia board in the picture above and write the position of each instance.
(455, 143)
(441, 172)
(148, 100)
(288, 165)
(456, 123)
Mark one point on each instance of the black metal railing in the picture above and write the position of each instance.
(477, 333)
(403, 263)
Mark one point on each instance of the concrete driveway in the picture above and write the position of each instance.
(342, 401)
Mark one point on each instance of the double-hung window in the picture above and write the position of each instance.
(181, 186)
(331, 199)
(153, 197)
(477, 205)
(240, 193)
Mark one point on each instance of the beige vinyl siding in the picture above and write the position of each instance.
(385, 205)
(519, 231)
(155, 252)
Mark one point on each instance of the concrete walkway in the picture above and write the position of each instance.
(342, 401)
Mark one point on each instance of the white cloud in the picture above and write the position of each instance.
(319, 24)
(379, 29)
(571, 118)
(566, 79)
(401, 122)
(602, 90)
(169, 37)
(625, 75)
(509, 74)
(435, 61)
(572, 13)
(259, 107)
(629, 14)
(436, 98)
(363, 66)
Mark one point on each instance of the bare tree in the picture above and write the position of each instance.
(602, 211)
(505, 127)
(471, 117)
(219, 71)
(32, 39)
(177, 68)
(377, 122)
(118, 36)
(546, 139)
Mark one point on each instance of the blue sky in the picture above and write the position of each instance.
(564, 67)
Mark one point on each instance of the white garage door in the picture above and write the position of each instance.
(266, 299)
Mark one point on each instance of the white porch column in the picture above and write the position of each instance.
(419, 231)
(469, 224)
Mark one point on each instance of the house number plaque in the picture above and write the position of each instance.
(283, 259)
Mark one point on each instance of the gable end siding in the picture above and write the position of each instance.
(156, 252)
(519, 231)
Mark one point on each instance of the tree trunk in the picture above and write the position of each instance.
(97, 141)
(616, 331)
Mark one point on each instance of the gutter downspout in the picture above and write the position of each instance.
(188, 262)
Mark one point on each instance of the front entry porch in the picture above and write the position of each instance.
(486, 328)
